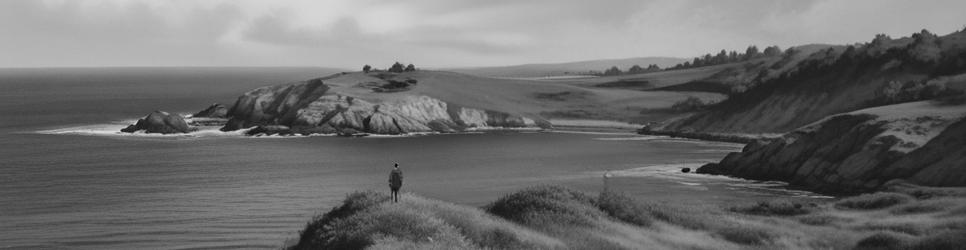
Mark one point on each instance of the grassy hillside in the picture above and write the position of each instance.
(568, 68)
(905, 217)
(548, 99)
(841, 79)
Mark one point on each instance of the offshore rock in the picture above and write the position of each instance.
(159, 122)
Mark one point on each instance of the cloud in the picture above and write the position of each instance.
(434, 32)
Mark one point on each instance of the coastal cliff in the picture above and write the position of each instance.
(835, 80)
(921, 142)
(310, 107)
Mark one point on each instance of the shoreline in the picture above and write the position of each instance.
(719, 137)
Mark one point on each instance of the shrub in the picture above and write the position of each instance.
(624, 208)
(919, 208)
(883, 241)
(767, 208)
(746, 235)
(873, 201)
(313, 236)
(546, 205)
(400, 224)
(688, 105)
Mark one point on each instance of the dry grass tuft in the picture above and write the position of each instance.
(873, 201)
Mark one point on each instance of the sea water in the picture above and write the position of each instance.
(68, 179)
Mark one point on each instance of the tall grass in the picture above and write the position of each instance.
(547, 206)
(873, 201)
(550, 217)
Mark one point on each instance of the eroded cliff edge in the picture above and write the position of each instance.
(921, 142)
(310, 107)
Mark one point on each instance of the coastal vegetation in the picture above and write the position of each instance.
(903, 216)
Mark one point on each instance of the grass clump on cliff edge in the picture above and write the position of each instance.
(873, 201)
(546, 206)
(776, 207)
(371, 220)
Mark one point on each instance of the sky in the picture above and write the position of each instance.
(435, 33)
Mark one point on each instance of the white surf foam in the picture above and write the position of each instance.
(672, 172)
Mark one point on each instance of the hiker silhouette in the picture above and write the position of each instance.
(395, 182)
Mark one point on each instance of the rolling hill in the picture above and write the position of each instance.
(567, 68)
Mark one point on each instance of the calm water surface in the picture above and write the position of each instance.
(200, 192)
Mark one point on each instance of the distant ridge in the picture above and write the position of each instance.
(565, 68)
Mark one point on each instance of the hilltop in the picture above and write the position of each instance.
(538, 70)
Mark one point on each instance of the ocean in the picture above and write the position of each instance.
(68, 180)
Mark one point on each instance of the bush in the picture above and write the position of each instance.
(768, 208)
(745, 235)
(399, 224)
(919, 208)
(314, 237)
(546, 205)
(873, 201)
(882, 241)
(688, 105)
(624, 208)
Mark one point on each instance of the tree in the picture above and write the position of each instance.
(653, 67)
(410, 68)
(721, 57)
(366, 69)
(772, 51)
(613, 71)
(396, 68)
(733, 56)
(751, 52)
(636, 69)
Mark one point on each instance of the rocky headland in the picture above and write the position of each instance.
(354, 104)
(311, 108)
(920, 142)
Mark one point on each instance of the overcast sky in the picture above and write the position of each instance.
(434, 33)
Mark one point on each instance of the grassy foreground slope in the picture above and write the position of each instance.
(903, 217)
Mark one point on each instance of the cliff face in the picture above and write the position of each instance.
(309, 107)
(921, 142)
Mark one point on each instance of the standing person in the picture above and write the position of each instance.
(395, 182)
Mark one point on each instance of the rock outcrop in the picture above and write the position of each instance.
(214, 111)
(309, 107)
(159, 122)
(857, 152)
